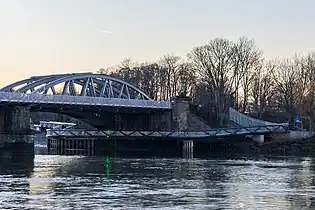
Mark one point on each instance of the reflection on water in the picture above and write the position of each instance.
(56, 182)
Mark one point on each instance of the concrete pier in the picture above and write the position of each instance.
(15, 133)
(15, 119)
(180, 113)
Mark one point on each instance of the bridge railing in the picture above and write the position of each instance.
(10, 97)
(245, 120)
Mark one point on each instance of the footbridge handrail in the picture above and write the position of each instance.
(245, 120)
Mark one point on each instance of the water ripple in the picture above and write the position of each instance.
(56, 182)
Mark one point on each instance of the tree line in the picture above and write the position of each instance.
(224, 73)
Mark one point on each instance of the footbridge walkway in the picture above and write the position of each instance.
(179, 135)
(248, 126)
(245, 120)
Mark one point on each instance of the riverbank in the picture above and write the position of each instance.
(283, 148)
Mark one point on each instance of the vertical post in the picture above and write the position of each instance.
(115, 148)
(66, 147)
(92, 145)
(61, 146)
(89, 147)
(53, 146)
(48, 145)
(58, 146)
(72, 147)
(76, 147)
(188, 149)
(79, 147)
(84, 147)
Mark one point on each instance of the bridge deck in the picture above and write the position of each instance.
(182, 135)
(23, 98)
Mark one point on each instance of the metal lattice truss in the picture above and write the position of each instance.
(183, 135)
(82, 84)
(83, 89)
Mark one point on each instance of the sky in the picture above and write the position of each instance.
(40, 37)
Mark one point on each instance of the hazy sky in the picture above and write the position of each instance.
(55, 36)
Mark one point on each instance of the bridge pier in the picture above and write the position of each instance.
(180, 112)
(257, 138)
(180, 109)
(15, 119)
(15, 133)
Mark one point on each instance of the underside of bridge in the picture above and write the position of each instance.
(116, 119)
(16, 119)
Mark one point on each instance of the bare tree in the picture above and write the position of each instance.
(213, 63)
(262, 90)
(247, 58)
(171, 65)
(187, 80)
(308, 101)
(128, 63)
(290, 80)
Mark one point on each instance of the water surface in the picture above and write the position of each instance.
(59, 182)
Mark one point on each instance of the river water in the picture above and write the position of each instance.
(64, 182)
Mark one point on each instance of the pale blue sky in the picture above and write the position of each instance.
(55, 36)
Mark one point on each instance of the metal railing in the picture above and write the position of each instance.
(10, 97)
(245, 120)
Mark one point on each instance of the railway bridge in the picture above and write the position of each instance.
(108, 103)
(100, 100)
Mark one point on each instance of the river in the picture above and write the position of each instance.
(55, 182)
(77, 182)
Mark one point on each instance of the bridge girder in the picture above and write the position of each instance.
(78, 84)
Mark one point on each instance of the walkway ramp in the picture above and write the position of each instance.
(245, 120)
(195, 122)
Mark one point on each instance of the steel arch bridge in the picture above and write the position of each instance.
(86, 89)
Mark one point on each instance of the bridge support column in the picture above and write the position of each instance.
(15, 130)
(180, 109)
(258, 138)
(188, 149)
(15, 119)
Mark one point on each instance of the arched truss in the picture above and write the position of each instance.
(81, 84)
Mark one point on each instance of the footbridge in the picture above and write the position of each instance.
(244, 121)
